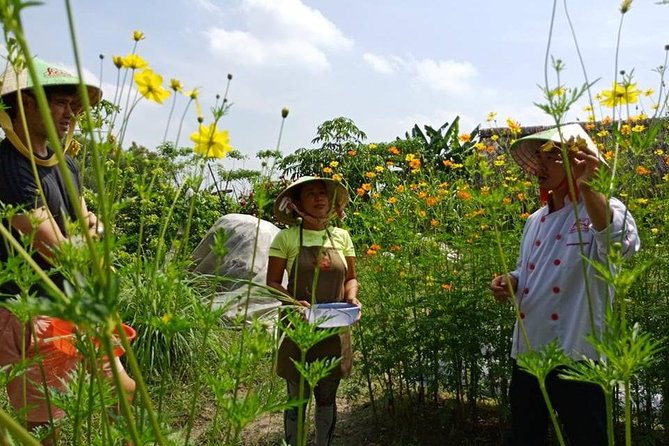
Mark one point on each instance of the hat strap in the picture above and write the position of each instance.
(6, 124)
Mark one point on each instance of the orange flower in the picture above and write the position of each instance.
(366, 186)
(392, 200)
(447, 286)
(399, 188)
(394, 150)
(641, 170)
(431, 201)
(465, 137)
(360, 191)
(506, 201)
(414, 164)
(525, 215)
(375, 247)
(395, 248)
(434, 222)
(371, 252)
(352, 153)
(464, 195)
(327, 169)
(513, 126)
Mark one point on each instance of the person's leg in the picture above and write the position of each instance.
(529, 415)
(582, 411)
(291, 416)
(325, 395)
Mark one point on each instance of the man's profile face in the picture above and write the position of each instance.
(60, 106)
(551, 174)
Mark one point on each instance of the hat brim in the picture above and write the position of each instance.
(524, 150)
(337, 194)
(50, 75)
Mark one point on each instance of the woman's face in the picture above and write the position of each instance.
(314, 199)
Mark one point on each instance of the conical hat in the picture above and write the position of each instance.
(524, 150)
(49, 74)
(337, 194)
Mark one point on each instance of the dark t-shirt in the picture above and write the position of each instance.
(18, 188)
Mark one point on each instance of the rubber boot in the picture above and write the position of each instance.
(290, 426)
(326, 418)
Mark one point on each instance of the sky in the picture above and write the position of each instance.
(385, 64)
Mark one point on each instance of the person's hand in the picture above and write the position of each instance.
(356, 302)
(500, 287)
(584, 161)
(304, 303)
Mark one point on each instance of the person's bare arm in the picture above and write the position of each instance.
(351, 285)
(275, 268)
(47, 234)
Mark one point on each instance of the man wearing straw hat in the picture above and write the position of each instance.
(41, 211)
(320, 261)
(555, 300)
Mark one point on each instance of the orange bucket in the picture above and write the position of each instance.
(63, 333)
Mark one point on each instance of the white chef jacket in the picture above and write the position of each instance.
(551, 288)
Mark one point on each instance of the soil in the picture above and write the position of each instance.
(433, 425)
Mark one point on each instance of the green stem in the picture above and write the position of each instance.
(551, 412)
(17, 430)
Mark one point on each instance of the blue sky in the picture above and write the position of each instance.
(386, 64)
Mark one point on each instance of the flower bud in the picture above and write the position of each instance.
(284, 112)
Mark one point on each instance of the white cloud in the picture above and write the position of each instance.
(246, 49)
(378, 63)
(279, 32)
(438, 75)
(207, 5)
(447, 76)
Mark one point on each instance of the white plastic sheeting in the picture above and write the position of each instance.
(242, 234)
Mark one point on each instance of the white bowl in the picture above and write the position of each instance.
(334, 314)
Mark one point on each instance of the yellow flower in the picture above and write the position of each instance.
(175, 84)
(625, 6)
(638, 128)
(494, 137)
(337, 177)
(399, 188)
(134, 62)
(379, 168)
(506, 201)
(654, 231)
(166, 318)
(659, 152)
(137, 35)
(367, 186)
(370, 175)
(465, 137)
(210, 142)
(327, 169)
(392, 200)
(334, 163)
(150, 86)
(587, 108)
(642, 200)
(118, 61)
(513, 126)
(648, 92)
(620, 94)
(491, 116)
(480, 146)
(372, 146)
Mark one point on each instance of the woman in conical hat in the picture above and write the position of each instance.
(561, 297)
(320, 261)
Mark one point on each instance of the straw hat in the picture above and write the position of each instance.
(337, 194)
(524, 150)
(48, 74)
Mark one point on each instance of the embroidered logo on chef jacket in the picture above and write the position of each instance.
(582, 225)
